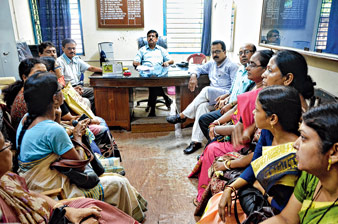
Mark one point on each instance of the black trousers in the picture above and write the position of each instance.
(88, 93)
(154, 92)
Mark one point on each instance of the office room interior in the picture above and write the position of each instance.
(246, 29)
(153, 161)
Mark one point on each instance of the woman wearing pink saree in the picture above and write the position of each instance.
(243, 110)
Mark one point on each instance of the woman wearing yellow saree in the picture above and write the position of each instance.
(315, 197)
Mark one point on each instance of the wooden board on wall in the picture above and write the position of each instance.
(120, 13)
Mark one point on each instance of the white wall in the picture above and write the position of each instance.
(124, 40)
(247, 28)
(22, 22)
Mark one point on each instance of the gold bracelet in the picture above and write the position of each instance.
(229, 164)
(57, 205)
(225, 165)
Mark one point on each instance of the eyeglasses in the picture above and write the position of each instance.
(253, 65)
(245, 52)
(50, 51)
(7, 144)
(71, 48)
(216, 52)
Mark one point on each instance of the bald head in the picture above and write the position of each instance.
(245, 53)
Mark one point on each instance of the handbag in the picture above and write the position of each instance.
(58, 216)
(251, 199)
(86, 179)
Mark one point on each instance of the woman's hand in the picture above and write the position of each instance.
(211, 133)
(219, 166)
(237, 134)
(80, 128)
(225, 203)
(76, 215)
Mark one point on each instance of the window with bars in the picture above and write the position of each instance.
(76, 26)
(183, 24)
(323, 25)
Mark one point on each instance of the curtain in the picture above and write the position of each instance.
(55, 21)
(332, 41)
(206, 33)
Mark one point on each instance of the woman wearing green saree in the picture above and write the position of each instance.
(316, 194)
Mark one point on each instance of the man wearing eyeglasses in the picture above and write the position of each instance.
(73, 67)
(273, 37)
(240, 85)
(221, 72)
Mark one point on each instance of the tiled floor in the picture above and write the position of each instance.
(156, 166)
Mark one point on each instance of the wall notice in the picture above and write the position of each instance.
(284, 13)
(120, 13)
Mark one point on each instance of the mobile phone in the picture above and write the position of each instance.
(83, 116)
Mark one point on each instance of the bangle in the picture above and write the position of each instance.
(225, 165)
(57, 205)
(57, 67)
(229, 163)
(211, 125)
(231, 187)
(215, 132)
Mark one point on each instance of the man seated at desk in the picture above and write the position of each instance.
(73, 67)
(153, 55)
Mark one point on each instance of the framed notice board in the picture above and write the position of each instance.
(284, 13)
(120, 13)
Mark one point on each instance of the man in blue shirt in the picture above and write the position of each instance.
(152, 55)
(221, 72)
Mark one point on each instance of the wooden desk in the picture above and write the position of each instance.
(114, 98)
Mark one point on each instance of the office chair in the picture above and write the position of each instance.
(197, 58)
(142, 41)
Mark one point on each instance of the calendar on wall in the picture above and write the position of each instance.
(120, 13)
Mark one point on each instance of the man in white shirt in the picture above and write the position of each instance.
(73, 67)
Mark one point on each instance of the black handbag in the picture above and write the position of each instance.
(86, 179)
(251, 199)
(58, 216)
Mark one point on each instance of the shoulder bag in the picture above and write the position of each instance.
(86, 179)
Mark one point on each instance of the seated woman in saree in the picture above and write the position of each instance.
(13, 95)
(315, 197)
(44, 141)
(19, 205)
(287, 68)
(256, 67)
(278, 110)
(103, 138)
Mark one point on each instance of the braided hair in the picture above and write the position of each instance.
(39, 90)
